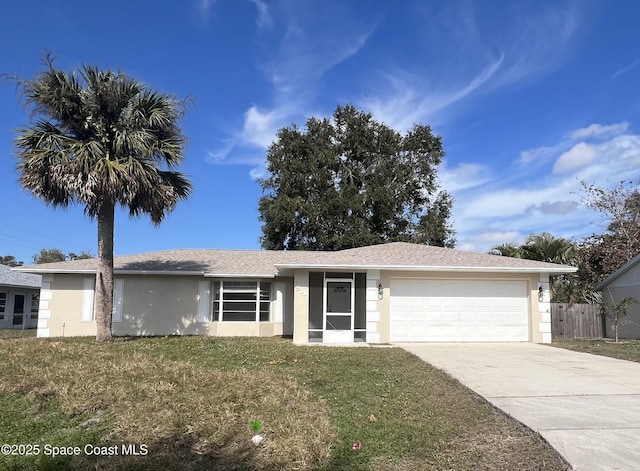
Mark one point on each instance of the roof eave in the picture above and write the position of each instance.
(13, 285)
(559, 270)
(238, 275)
(53, 270)
(157, 272)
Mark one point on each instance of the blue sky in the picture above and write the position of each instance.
(530, 97)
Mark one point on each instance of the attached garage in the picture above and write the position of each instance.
(433, 310)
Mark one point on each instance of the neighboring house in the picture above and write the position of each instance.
(623, 283)
(396, 292)
(19, 299)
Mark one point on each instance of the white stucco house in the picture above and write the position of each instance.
(19, 299)
(395, 292)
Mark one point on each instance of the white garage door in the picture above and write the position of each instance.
(458, 311)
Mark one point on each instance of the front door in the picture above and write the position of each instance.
(338, 315)
(18, 309)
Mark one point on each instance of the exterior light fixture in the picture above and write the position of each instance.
(540, 294)
(380, 291)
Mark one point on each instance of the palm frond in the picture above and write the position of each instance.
(101, 135)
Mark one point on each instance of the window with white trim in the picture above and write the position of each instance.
(3, 304)
(35, 305)
(241, 301)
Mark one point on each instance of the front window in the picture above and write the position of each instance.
(241, 301)
(35, 306)
(3, 304)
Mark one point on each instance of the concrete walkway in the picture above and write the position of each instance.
(586, 406)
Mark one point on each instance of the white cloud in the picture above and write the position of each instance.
(220, 154)
(264, 19)
(260, 127)
(529, 42)
(599, 130)
(463, 176)
(575, 158)
(624, 70)
(410, 99)
(204, 8)
(259, 171)
(539, 201)
(537, 154)
(305, 53)
(483, 241)
(503, 236)
(555, 207)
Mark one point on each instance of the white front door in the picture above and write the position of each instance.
(338, 310)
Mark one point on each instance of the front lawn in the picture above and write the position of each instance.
(16, 333)
(624, 349)
(190, 403)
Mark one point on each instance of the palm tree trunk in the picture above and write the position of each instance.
(104, 274)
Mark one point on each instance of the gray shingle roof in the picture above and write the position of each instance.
(9, 277)
(402, 254)
(268, 263)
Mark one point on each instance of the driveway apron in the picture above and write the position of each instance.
(586, 406)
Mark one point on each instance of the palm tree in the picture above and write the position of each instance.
(508, 249)
(547, 248)
(102, 139)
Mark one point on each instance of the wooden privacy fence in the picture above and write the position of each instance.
(574, 321)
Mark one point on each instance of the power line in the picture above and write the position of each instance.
(50, 240)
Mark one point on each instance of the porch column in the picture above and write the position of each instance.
(301, 306)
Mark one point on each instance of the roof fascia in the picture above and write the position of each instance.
(156, 272)
(558, 270)
(237, 275)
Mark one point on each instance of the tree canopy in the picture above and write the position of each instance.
(602, 254)
(101, 139)
(349, 181)
(49, 256)
(10, 260)
(57, 255)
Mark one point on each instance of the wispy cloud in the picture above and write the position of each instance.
(204, 8)
(624, 70)
(307, 48)
(484, 56)
(264, 20)
(409, 101)
(463, 176)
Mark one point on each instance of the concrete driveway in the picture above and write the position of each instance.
(586, 406)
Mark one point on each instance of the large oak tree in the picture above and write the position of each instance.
(101, 139)
(350, 181)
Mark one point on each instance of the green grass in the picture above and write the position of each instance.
(624, 349)
(193, 402)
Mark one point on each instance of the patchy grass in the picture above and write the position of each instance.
(624, 349)
(17, 333)
(193, 401)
